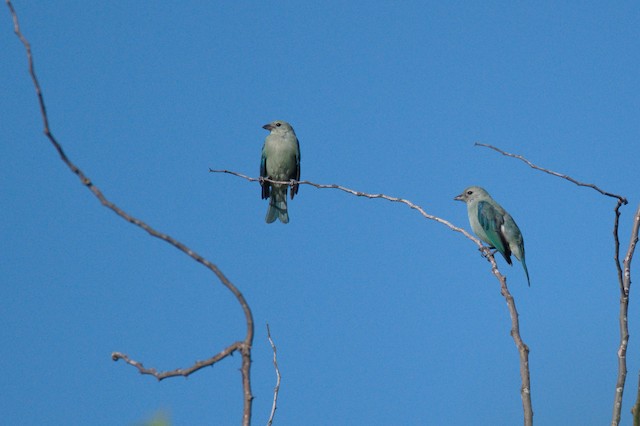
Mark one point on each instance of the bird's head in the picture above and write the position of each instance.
(278, 126)
(472, 193)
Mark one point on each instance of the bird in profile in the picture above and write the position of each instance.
(281, 162)
(493, 225)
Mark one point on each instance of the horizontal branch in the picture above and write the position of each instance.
(237, 346)
(357, 194)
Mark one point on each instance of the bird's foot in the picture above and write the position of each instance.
(486, 251)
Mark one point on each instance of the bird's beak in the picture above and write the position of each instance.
(459, 198)
(269, 127)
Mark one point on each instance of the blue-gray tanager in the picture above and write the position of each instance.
(280, 161)
(493, 224)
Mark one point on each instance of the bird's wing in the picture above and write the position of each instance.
(491, 221)
(263, 173)
(294, 189)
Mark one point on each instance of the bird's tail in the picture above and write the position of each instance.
(278, 206)
(524, 266)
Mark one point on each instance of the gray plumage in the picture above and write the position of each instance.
(280, 161)
(493, 225)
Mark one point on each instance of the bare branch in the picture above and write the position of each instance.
(616, 247)
(623, 322)
(624, 330)
(245, 346)
(358, 194)
(624, 277)
(237, 346)
(523, 349)
(278, 377)
(630, 251)
(569, 178)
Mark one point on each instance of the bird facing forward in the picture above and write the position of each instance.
(493, 225)
(281, 162)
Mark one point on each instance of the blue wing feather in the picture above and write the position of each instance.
(491, 221)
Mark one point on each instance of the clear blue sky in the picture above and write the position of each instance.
(380, 316)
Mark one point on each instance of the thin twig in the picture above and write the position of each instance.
(616, 247)
(358, 194)
(237, 346)
(551, 172)
(523, 349)
(245, 346)
(274, 406)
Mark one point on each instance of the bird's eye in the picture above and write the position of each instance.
(469, 192)
(278, 124)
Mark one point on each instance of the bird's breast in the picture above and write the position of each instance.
(281, 159)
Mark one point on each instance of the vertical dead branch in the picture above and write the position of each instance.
(274, 406)
(625, 286)
(243, 347)
(523, 349)
(623, 320)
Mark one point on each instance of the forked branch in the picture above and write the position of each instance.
(243, 347)
(624, 277)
